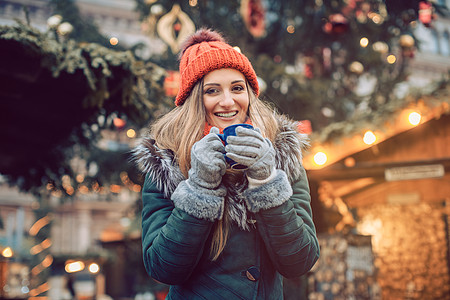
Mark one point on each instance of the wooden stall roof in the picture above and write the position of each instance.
(387, 170)
(340, 141)
(427, 144)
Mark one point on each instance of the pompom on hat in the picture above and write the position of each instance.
(205, 51)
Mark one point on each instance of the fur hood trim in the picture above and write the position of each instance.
(163, 169)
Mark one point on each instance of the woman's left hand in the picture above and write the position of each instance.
(251, 149)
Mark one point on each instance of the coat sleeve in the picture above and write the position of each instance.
(286, 225)
(172, 240)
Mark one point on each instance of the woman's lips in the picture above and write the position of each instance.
(226, 114)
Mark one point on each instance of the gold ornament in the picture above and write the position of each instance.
(356, 67)
(380, 47)
(166, 31)
(406, 41)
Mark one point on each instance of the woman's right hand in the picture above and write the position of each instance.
(208, 161)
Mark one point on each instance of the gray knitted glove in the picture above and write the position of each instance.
(207, 161)
(251, 149)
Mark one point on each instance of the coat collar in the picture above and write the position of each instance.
(162, 168)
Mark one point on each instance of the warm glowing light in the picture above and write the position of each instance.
(46, 243)
(36, 249)
(40, 247)
(349, 162)
(80, 178)
(114, 188)
(47, 262)
(414, 118)
(94, 268)
(237, 49)
(391, 59)
(376, 18)
(7, 252)
(380, 47)
(136, 188)
(113, 41)
(70, 190)
(119, 123)
(131, 133)
(75, 266)
(369, 137)
(364, 42)
(83, 189)
(39, 290)
(356, 67)
(290, 29)
(369, 226)
(39, 224)
(320, 158)
(193, 2)
(124, 176)
(37, 269)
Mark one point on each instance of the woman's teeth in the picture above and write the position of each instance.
(226, 115)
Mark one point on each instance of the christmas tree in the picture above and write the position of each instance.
(320, 60)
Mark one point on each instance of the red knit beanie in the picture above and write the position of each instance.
(204, 52)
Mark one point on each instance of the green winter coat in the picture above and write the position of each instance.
(271, 233)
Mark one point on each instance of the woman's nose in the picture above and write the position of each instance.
(227, 99)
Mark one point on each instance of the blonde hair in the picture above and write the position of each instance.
(184, 125)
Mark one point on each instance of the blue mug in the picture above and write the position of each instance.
(231, 131)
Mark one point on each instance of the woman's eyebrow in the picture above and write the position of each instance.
(218, 84)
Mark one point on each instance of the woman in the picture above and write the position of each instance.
(209, 231)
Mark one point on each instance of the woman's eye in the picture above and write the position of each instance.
(238, 88)
(211, 91)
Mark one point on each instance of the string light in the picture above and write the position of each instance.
(380, 47)
(39, 224)
(66, 183)
(320, 158)
(40, 247)
(391, 59)
(83, 189)
(290, 29)
(364, 42)
(414, 118)
(114, 188)
(39, 290)
(80, 178)
(75, 266)
(376, 18)
(131, 133)
(7, 252)
(94, 268)
(349, 162)
(45, 263)
(369, 137)
(113, 41)
(137, 188)
(126, 181)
